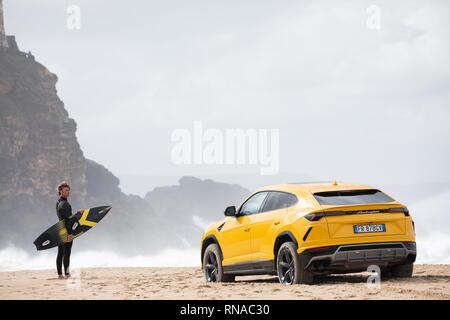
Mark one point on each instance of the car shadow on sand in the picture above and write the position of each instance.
(350, 278)
(317, 280)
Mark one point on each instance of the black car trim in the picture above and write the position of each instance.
(261, 266)
(206, 242)
(220, 227)
(309, 257)
(307, 234)
(368, 247)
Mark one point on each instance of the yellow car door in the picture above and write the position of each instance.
(235, 233)
(235, 244)
(264, 225)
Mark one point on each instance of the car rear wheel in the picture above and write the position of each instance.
(386, 273)
(403, 270)
(212, 265)
(290, 268)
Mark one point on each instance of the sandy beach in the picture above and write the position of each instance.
(428, 282)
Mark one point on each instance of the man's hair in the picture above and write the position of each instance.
(62, 185)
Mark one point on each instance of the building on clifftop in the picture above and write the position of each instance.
(6, 41)
(3, 41)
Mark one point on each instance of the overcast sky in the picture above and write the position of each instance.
(351, 103)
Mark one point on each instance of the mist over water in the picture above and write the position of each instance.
(432, 225)
(15, 259)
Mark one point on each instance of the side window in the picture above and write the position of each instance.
(291, 200)
(253, 204)
(279, 200)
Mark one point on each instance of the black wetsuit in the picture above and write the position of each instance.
(64, 211)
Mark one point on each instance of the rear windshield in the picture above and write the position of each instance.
(344, 197)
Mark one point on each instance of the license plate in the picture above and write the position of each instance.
(369, 228)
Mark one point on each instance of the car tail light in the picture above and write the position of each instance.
(410, 245)
(404, 210)
(315, 216)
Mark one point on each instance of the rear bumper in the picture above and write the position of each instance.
(358, 257)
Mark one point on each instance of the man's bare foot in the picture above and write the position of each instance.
(60, 276)
(67, 275)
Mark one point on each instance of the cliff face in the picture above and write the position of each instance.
(38, 146)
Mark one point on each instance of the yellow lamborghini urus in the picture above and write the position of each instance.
(297, 231)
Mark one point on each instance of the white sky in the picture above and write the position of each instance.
(351, 103)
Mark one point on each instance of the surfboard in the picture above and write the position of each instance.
(79, 223)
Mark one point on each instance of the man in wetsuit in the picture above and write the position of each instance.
(64, 211)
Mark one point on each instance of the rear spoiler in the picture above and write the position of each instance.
(315, 216)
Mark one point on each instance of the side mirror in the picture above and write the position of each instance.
(230, 211)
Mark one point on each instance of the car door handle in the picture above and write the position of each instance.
(276, 223)
(247, 229)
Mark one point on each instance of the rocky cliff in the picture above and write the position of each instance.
(38, 146)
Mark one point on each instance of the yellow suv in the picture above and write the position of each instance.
(297, 231)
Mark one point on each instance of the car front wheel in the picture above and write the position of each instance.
(212, 265)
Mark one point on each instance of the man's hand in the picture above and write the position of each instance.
(69, 238)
